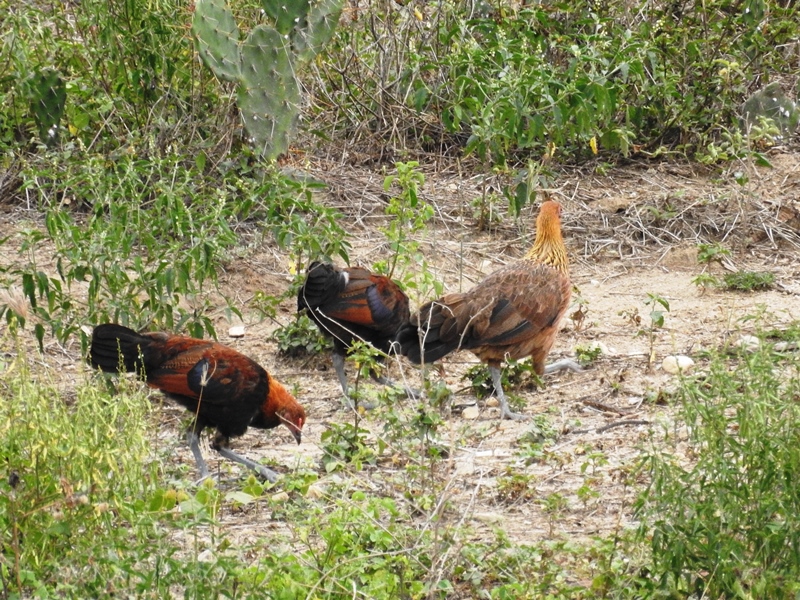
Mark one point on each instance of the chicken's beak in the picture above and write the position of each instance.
(297, 435)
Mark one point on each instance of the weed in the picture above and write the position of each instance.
(708, 253)
(367, 359)
(748, 281)
(538, 436)
(515, 374)
(731, 494)
(705, 281)
(790, 333)
(345, 443)
(578, 316)
(486, 212)
(588, 354)
(658, 306)
(408, 216)
(301, 337)
(513, 487)
(265, 304)
(554, 505)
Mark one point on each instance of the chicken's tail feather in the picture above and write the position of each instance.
(322, 281)
(423, 345)
(117, 348)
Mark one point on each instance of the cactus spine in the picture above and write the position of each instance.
(264, 65)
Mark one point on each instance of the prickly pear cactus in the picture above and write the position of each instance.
(47, 94)
(264, 65)
(269, 96)
(286, 14)
(770, 103)
(217, 38)
(319, 27)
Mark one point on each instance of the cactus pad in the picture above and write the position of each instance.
(323, 17)
(217, 38)
(263, 65)
(269, 95)
(47, 94)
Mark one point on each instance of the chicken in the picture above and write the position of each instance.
(513, 313)
(223, 388)
(353, 304)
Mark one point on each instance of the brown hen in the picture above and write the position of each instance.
(223, 388)
(513, 313)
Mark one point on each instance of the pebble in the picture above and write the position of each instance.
(471, 413)
(677, 363)
(315, 492)
(236, 331)
(749, 343)
(489, 517)
(280, 497)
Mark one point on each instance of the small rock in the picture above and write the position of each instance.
(750, 343)
(236, 331)
(492, 401)
(677, 363)
(315, 492)
(785, 346)
(489, 517)
(206, 556)
(471, 413)
(280, 497)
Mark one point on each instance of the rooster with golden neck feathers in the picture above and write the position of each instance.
(513, 313)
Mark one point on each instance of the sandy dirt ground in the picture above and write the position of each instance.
(631, 233)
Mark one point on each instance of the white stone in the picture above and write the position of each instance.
(315, 492)
(749, 343)
(471, 413)
(489, 517)
(236, 331)
(677, 363)
(280, 497)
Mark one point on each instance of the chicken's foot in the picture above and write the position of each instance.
(260, 470)
(565, 364)
(505, 412)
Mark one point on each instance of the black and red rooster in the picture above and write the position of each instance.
(352, 304)
(223, 388)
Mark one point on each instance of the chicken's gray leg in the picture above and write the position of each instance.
(194, 445)
(505, 412)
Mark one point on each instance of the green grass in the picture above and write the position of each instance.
(148, 189)
(86, 512)
(80, 465)
(748, 281)
(722, 515)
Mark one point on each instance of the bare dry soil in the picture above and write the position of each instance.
(631, 233)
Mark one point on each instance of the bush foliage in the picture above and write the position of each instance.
(140, 184)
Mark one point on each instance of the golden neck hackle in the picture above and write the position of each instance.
(548, 247)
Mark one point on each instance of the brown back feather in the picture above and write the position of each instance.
(512, 313)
